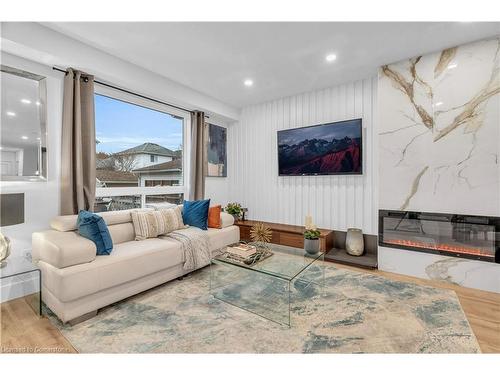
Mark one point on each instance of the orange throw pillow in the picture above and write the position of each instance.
(214, 220)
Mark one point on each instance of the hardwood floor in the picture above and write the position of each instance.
(24, 331)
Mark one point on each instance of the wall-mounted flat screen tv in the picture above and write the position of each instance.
(326, 149)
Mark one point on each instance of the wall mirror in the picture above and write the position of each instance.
(23, 135)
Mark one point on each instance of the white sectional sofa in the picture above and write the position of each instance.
(76, 282)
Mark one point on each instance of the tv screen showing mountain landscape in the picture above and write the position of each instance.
(333, 148)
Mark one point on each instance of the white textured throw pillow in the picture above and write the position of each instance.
(150, 224)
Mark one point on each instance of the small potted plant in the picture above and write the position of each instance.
(311, 240)
(234, 209)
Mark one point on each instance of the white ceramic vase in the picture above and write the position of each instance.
(354, 243)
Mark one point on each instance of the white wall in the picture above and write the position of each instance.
(334, 201)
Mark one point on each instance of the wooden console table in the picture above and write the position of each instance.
(332, 242)
(284, 234)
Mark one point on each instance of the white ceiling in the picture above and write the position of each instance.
(282, 58)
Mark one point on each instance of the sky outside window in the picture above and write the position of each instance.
(120, 126)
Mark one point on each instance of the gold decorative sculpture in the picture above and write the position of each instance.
(260, 233)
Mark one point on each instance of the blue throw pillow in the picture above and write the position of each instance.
(94, 228)
(195, 213)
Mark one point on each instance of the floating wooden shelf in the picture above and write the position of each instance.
(331, 242)
(284, 234)
(367, 260)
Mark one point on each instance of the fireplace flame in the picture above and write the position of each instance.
(443, 247)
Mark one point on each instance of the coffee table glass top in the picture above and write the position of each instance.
(17, 265)
(285, 263)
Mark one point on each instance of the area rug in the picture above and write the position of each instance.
(354, 313)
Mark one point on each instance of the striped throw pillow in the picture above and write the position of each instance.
(150, 224)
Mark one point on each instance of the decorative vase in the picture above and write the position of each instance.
(354, 243)
(311, 246)
(4, 249)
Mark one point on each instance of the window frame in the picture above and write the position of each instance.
(143, 191)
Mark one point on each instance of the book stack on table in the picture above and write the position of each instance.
(241, 252)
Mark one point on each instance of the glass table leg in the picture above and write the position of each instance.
(264, 295)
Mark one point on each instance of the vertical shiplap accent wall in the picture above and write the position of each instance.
(336, 202)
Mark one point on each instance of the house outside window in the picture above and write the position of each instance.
(139, 152)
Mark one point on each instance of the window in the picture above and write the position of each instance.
(139, 151)
(152, 183)
(117, 203)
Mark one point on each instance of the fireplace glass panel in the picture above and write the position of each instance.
(468, 236)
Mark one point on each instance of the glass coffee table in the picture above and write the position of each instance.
(266, 288)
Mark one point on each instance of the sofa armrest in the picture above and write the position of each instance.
(226, 219)
(62, 249)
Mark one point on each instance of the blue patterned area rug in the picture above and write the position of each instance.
(354, 313)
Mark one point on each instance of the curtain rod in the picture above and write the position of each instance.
(131, 92)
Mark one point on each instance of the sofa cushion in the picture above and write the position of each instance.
(122, 232)
(67, 223)
(128, 261)
(226, 219)
(62, 249)
(150, 224)
(195, 213)
(93, 227)
(214, 219)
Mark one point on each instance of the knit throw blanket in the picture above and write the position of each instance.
(194, 243)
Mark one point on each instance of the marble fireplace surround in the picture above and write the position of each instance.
(439, 147)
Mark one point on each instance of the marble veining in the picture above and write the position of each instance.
(439, 131)
(463, 272)
(440, 270)
(354, 313)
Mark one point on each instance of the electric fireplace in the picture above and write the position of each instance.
(466, 236)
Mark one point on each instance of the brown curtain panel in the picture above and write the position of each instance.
(78, 144)
(198, 158)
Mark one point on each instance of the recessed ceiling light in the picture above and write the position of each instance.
(10, 113)
(37, 102)
(26, 101)
(452, 66)
(438, 104)
(331, 57)
(248, 82)
(24, 137)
